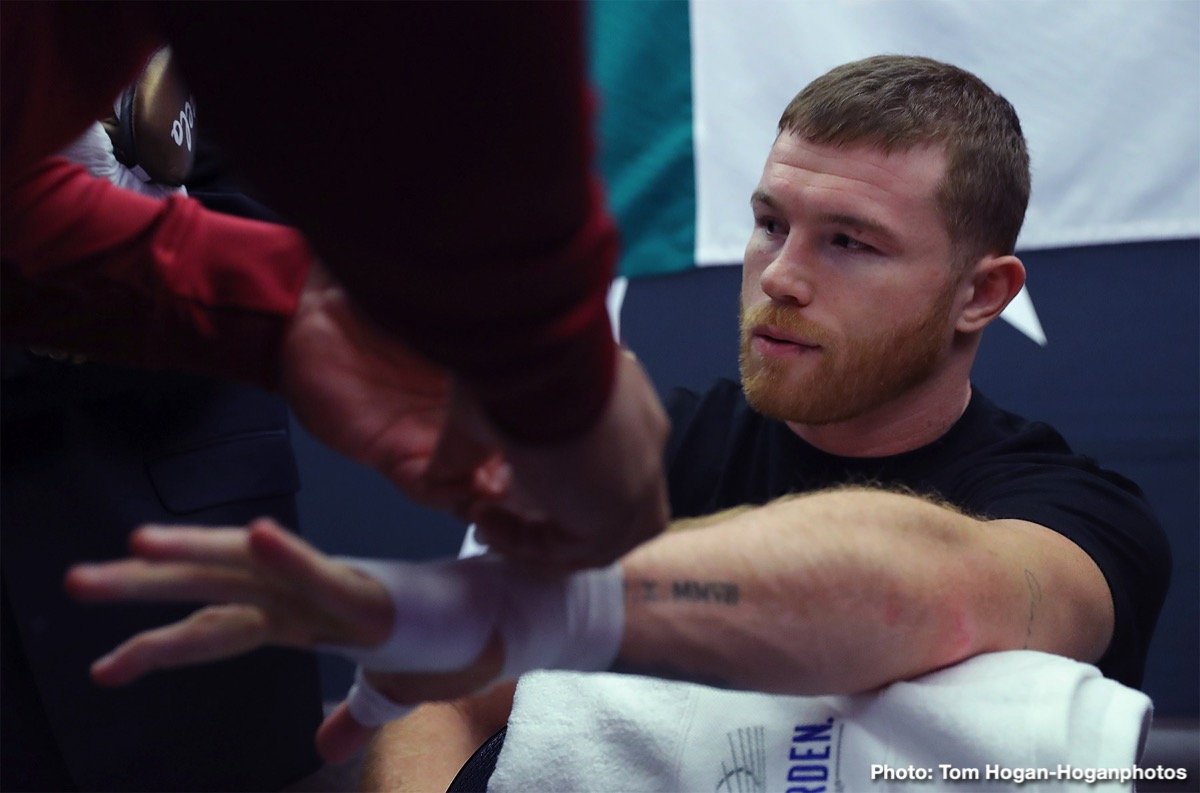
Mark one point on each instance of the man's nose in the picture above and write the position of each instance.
(787, 279)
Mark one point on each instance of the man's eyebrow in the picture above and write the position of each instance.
(859, 223)
(762, 197)
(856, 222)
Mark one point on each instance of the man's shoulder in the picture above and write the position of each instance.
(1025, 470)
(1000, 456)
(986, 423)
(989, 434)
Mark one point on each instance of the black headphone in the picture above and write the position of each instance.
(152, 128)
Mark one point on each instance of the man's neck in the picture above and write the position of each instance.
(915, 419)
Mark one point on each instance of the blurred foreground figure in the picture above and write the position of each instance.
(455, 204)
(89, 451)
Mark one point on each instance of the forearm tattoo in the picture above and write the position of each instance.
(1035, 599)
(722, 594)
(646, 590)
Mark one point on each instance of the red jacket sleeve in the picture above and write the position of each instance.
(438, 155)
(91, 268)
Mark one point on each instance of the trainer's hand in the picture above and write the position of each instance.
(371, 398)
(586, 502)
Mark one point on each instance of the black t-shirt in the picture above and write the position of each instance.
(991, 464)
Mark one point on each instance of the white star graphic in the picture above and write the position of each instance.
(1021, 314)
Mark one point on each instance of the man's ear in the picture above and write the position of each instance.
(991, 283)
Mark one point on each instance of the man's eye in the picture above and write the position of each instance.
(769, 225)
(849, 243)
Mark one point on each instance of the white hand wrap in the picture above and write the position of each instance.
(445, 613)
(369, 706)
(571, 623)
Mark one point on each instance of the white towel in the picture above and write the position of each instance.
(990, 723)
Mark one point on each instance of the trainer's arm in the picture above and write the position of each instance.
(123, 278)
(847, 590)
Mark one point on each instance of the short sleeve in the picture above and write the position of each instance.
(1104, 514)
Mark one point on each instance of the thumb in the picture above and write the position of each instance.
(339, 737)
(466, 451)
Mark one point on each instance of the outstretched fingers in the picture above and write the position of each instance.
(277, 580)
(177, 563)
(183, 582)
(352, 600)
(226, 546)
(209, 634)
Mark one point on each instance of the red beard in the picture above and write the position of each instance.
(850, 376)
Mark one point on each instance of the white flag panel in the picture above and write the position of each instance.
(1108, 94)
